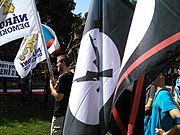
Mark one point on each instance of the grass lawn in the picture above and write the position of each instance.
(17, 117)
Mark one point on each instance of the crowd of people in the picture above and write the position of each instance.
(162, 106)
(162, 114)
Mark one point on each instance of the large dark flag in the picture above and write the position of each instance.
(98, 67)
(153, 43)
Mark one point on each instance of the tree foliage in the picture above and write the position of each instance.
(55, 13)
(58, 15)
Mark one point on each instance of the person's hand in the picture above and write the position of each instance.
(52, 82)
(160, 131)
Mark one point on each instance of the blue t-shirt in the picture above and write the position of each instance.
(178, 81)
(163, 103)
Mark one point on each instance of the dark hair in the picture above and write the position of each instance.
(65, 58)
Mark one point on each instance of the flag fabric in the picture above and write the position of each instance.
(98, 67)
(51, 40)
(30, 53)
(152, 43)
(18, 19)
(32, 50)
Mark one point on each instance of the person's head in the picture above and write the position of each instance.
(63, 62)
(178, 71)
(159, 82)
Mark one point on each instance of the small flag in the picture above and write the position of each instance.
(31, 52)
(51, 40)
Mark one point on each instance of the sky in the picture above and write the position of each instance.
(82, 6)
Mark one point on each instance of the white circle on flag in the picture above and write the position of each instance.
(90, 93)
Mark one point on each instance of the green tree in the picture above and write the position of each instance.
(58, 15)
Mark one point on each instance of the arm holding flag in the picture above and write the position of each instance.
(61, 93)
(53, 87)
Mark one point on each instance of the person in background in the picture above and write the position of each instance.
(61, 91)
(177, 89)
(165, 118)
(150, 92)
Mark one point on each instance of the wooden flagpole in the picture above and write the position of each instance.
(43, 39)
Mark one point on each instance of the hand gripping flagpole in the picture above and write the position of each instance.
(43, 40)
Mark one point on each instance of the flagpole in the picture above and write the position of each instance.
(43, 40)
(46, 51)
(2, 4)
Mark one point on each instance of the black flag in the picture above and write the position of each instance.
(98, 67)
(153, 43)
